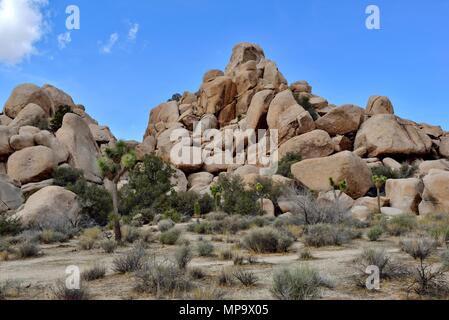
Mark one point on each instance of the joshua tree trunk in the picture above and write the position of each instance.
(117, 227)
(378, 200)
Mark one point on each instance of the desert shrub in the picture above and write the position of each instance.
(9, 226)
(131, 261)
(183, 203)
(27, 249)
(305, 254)
(285, 164)
(229, 224)
(437, 226)
(56, 121)
(225, 278)
(207, 294)
(170, 237)
(65, 175)
(165, 225)
(246, 278)
(402, 224)
(197, 273)
(183, 256)
(445, 260)
(173, 215)
(61, 292)
(94, 273)
(238, 260)
(88, 238)
(321, 235)
(161, 278)
(380, 259)
(95, 201)
(304, 101)
(108, 245)
(86, 243)
(149, 184)
(406, 171)
(267, 240)
(130, 234)
(312, 211)
(427, 279)
(205, 248)
(375, 233)
(236, 199)
(9, 289)
(217, 216)
(226, 254)
(50, 236)
(297, 283)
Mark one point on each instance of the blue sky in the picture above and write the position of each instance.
(321, 41)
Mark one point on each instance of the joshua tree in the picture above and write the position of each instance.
(341, 186)
(116, 162)
(197, 210)
(216, 193)
(379, 182)
(260, 193)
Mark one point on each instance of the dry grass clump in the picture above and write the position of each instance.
(27, 250)
(207, 294)
(183, 256)
(96, 272)
(61, 292)
(245, 277)
(88, 238)
(205, 249)
(131, 261)
(108, 245)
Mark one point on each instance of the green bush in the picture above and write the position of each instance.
(56, 121)
(9, 226)
(205, 248)
(183, 256)
(285, 164)
(108, 245)
(406, 171)
(184, 203)
(267, 240)
(95, 201)
(130, 262)
(298, 283)
(321, 235)
(304, 101)
(65, 175)
(149, 184)
(170, 237)
(402, 224)
(236, 199)
(375, 233)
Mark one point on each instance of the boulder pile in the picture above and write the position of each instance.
(339, 142)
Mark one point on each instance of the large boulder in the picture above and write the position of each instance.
(200, 182)
(435, 198)
(5, 135)
(271, 75)
(315, 173)
(444, 147)
(216, 95)
(31, 164)
(379, 105)
(426, 166)
(404, 194)
(58, 97)
(162, 116)
(386, 134)
(288, 117)
(314, 144)
(31, 115)
(4, 120)
(75, 135)
(258, 109)
(342, 120)
(179, 181)
(18, 99)
(21, 141)
(101, 134)
(50, 207)
(47, 139)
(11, 196)
(372, 203)
(147, 147)
(241, 54)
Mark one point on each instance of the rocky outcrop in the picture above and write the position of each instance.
(19, 99)
(379, 105)
(315, 173)
(31, 164)
(404, 194)
(11, 196)
(50, 207)
(75, 135)
(435, 198)
(341, 120)
(314, 144)
(386, 134)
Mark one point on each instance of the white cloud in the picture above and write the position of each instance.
(107, 48)
(132, 34)
(22, 25)
(64, 39)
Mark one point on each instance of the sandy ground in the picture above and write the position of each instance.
(37, 275)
